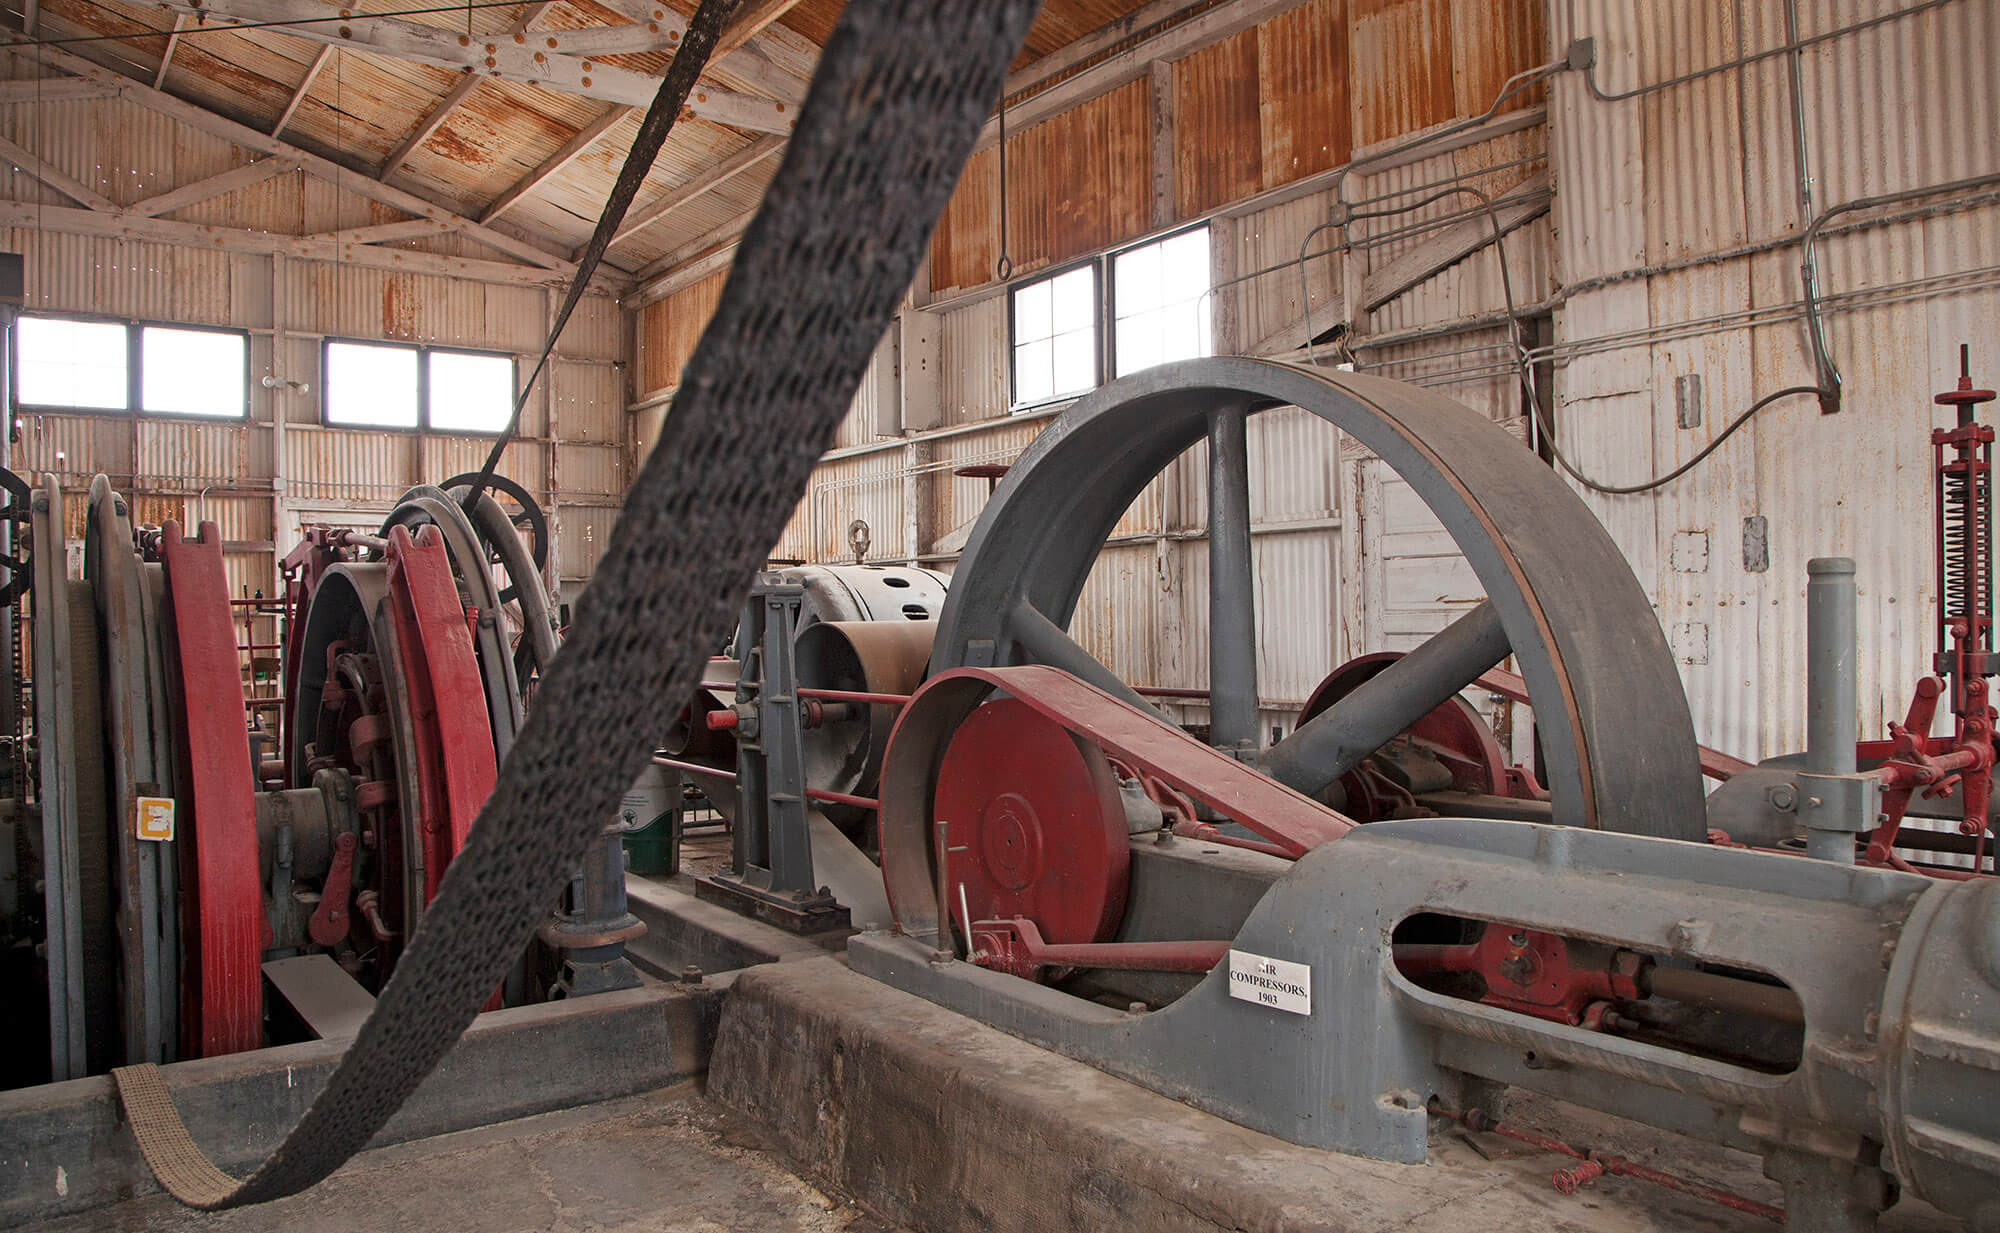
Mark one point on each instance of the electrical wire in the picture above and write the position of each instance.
(1769, 53)
(1661, 481)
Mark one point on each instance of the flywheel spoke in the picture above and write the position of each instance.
(1047, 644)
(1335, 741)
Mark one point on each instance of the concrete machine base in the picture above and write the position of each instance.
(943, 1124)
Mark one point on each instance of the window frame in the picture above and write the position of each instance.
(1098, 299)
(135, 378)
(1110, 260)
(1104, 318)
(423, 352)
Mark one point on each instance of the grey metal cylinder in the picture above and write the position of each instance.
(1831, 722)
(1232, 615)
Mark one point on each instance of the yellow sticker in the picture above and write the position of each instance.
(155, 818)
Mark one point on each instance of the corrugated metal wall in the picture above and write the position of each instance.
(260, 478)
(1080, 182)
(1683, 201)
(1666, 250)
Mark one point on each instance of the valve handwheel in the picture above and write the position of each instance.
(1033, 826)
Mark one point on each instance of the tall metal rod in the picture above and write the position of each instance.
(1232, 610)
(1831, 723)
(1382, 708)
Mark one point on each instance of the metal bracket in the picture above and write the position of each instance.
(770, 873)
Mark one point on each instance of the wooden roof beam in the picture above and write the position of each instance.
(713, 178)
(501, 57)
(211, 186)
(298, 95)
(54, 90)
(749, 21)
(70, 221)
(460, 90)
(167, 56)
(196, 116)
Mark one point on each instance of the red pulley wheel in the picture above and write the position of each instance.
(222, 906)
(1033, 824)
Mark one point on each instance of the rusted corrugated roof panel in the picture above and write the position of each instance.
(1061, 22)
(1401, 59)
(669, 329)
(499, 133)
(1215, 110)
(1301, 62)
(1494, 39)
(363, 106)
(966, 243)
(1285, 80)
(1075, 182)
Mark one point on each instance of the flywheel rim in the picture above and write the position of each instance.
(1616, 726)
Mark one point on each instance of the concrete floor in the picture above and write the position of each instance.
(665, 1162)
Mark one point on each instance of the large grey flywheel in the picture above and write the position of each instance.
(1617, 739)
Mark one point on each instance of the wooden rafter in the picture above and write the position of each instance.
(304, 88)
(54, 90)
(384, 233)
(708, 181)
(211, 186)
(70, 221)
(562, 158)
(196, 116)
(167, 56)
(750, 21)
(460, 91)
(502, 58)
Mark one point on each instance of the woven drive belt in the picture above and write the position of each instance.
(902, 89)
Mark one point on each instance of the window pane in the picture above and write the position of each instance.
(1138, 343)
(1184, 266)
(71, 363)
(1034, 379)
(1137, 285)
(371, 385)
(1176, 332)
(192, 372)
(1075, 361)
(471, 393)
(1075, 299)
(1031, 313)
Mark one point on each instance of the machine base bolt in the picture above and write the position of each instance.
(690, 975)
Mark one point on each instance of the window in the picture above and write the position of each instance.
(1160, 311)
(1055, 336)
(1160, 302)
(388, 385)
(192, 372)
(69, 364)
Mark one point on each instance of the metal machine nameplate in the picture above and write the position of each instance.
(1277, 983)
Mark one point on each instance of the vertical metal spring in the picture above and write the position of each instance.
(1968, 591)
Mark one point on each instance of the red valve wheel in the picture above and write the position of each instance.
(1033, 824)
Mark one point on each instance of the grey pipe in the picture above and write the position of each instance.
(1831, 723)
